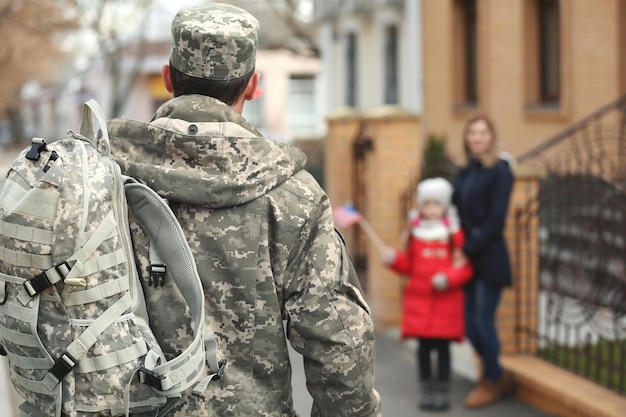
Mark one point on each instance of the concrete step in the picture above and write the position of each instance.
(561, 392)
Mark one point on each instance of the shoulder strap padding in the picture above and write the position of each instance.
(160, 224)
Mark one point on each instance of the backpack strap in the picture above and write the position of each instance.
(92, 110)
(157, 267)
(163, 229)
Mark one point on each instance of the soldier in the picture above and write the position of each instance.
(274, 269)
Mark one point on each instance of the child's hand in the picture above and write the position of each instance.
(388, 255)
(440, 281)
(458, 258)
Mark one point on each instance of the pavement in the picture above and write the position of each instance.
(396, 381)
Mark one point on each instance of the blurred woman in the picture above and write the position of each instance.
(481, 194)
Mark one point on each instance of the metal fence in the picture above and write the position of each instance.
(580, 212)
(362, 146)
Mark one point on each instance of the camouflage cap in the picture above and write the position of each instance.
(217, 41)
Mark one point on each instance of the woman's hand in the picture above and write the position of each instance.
(458, 258)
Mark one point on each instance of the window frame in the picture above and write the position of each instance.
(466, 38)
(538, 105)
(294, 129)
(546, 52)
(351, 55)
(391, 67)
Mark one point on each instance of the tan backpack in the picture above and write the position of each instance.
(73, 321)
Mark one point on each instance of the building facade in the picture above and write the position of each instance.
(371, 53)
(534, 66)
(552, 76)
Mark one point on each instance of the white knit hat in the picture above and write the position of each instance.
(438, 189)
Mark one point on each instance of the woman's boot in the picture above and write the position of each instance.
(485, 393)
(507, 383)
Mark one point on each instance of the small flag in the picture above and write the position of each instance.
(346, 215)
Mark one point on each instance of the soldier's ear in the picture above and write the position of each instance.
(252, 86)
(167, 80)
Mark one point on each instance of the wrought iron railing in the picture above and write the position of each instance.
(362, 146)
(580, 322)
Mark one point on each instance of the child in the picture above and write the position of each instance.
(433, 296)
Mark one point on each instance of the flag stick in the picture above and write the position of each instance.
(372, 234)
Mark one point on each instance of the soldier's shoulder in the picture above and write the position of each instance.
(303, 185)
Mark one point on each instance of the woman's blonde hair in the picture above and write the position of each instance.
(491, 155)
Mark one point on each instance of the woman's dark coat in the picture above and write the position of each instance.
(481, 196)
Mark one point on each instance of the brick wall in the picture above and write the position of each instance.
(593, 68)
(390, 167)
(517, 315)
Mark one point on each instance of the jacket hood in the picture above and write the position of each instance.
(197, 150)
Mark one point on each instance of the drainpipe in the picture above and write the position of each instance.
(327, 42)
(415, 78)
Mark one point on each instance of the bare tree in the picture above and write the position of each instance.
(118, 28)
(291, 14)
(283, 24)
(30, 31)
(109, 22)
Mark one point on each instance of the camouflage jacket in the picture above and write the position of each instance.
(269, 257)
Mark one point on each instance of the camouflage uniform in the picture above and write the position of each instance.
(262, 232)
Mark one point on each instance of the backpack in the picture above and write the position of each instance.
(73, 319)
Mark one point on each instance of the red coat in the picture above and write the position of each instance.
(428, 313)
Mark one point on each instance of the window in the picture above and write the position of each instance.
(351, 69)
(301, 105)
(549, 50)
(391, 65)
(466, 53)
(544, 55)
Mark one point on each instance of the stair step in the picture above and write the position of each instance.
(560, 392)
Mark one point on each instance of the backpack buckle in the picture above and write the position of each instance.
(221, 365)
(151, 378)
(38, 145)
(42, 281)
(53, 157)
(157, 275)
(63, 366)
(37, 284)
